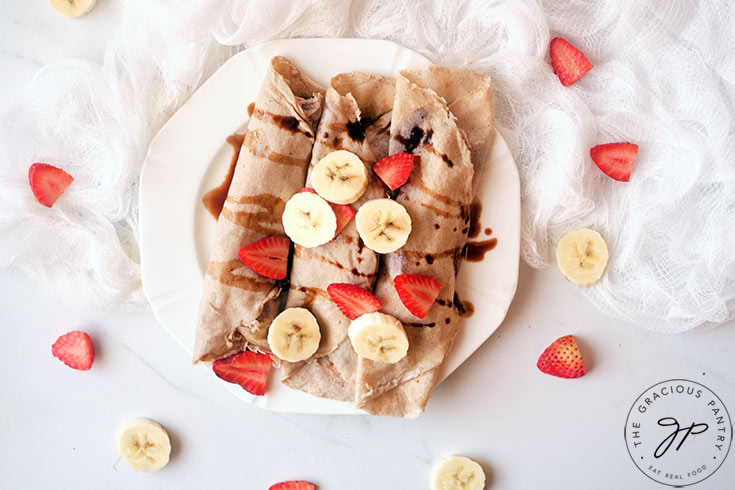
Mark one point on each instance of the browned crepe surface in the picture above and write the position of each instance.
(437, 113)
(238, 304)
(356, 118)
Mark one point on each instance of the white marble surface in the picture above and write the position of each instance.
(529, 430)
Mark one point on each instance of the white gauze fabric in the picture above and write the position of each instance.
(663, 77)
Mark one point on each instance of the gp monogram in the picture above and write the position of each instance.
(678, 432)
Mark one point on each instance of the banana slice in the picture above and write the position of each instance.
(340, 177)
(582, 256)
(383, 225)
(144, 444)
(294, 335)
(309, 220)
(458, 473)
(72, 8)
(378, 337)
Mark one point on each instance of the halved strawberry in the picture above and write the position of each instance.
(344, 212)
(417, 292)
(293, 485)
(48, 182)
(352, 300)
(615, 159)
(75, 349)
(248, 369)
(394, 170)
(568, 62)
(268, 256)
(563, 359)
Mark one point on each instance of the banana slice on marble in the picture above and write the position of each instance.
(294, 335)
(378, 337)
(144, 444)
(458, 473)
(72, 8)
(340, 177)
(383, 225)
(309, 220)
(582, 256)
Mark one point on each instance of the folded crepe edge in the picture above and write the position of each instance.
(411, 404)
(305, 96)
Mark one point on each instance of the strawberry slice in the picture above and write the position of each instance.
(568, 62)
(615, 159)
(562, 359)
(48, 182)
(352, 300)
(417, 292)
(394, 170)
(248, 369)
(293, 485)
(268, 256)
(344, 212)
(74, 349)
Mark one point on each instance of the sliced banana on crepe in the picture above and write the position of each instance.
(294, 335)
(309, 220)
(458, 473)
(144, 444)
(582, 256)
(340, 177)
(383, 225)
(72, 8)
(378, 337)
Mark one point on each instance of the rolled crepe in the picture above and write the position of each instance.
(238, 304)
(357, 114)
(437, 113)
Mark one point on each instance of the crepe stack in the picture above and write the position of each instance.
(445, 118)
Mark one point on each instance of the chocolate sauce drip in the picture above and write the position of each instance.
(413, 141)
(464, 308)
(421, 325)
(214, 200)
(475, 213)
(475, 251)
(356, 129)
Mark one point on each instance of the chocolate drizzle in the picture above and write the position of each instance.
(299, 252)
(254, 143)
(464, 308)
(416, 137)
(311, 294)
(265, 218)
(447, 160)
(237, 275)
(356, 129)
(420, 325)
(214, 200)
(475, 251)
(289, 123)
(475, 213)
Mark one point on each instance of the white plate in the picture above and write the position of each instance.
(189, 156)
